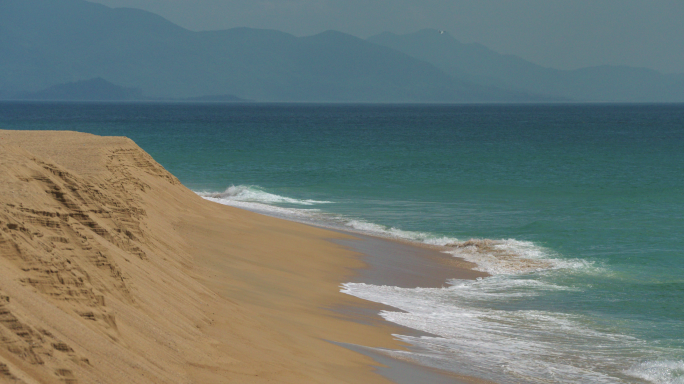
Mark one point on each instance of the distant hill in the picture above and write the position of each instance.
(44, 43)
(217, 98)
(478, 64)
(54, 49)
(97, 89)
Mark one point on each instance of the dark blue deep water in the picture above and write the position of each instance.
(578, 212)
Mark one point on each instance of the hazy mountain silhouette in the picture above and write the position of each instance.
(97, 89)
(48, 42)
(217, 98)
(476, 63)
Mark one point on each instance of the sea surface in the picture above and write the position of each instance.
(577, 212)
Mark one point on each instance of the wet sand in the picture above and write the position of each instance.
(408, 265)
(402, 264)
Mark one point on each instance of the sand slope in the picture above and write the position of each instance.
(111, 271)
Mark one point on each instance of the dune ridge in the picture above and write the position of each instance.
(112, 271)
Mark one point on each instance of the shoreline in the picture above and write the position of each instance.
(371, 251)
(407, 265)
(113, 271)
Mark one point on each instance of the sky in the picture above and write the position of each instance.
(563, 34)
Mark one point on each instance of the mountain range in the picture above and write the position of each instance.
(93, 89)
(478, 64)
(49, 46)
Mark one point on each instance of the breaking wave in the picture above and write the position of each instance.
(503, 256)
(470, 336)
(510, 256)
(252, 193)
(659, 371)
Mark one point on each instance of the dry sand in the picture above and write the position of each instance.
(111, 271)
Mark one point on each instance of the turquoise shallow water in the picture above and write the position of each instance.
(582, 207)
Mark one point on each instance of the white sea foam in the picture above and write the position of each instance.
(496, 257)
(659, 371)
(271, 210)
(396, 233)
(523, 346)
(251, 193)
(254, 198)
(510, 256)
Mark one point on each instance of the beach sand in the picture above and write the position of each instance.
(111, 271)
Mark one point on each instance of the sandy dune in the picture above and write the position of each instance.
(111, 271)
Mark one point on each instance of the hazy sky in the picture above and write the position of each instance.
(564, 34)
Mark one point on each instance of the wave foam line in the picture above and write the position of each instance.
(659, 371)
(496, 257)
(510, 256)
(253, 193)
(522, 346)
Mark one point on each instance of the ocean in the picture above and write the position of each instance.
(576, 211)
